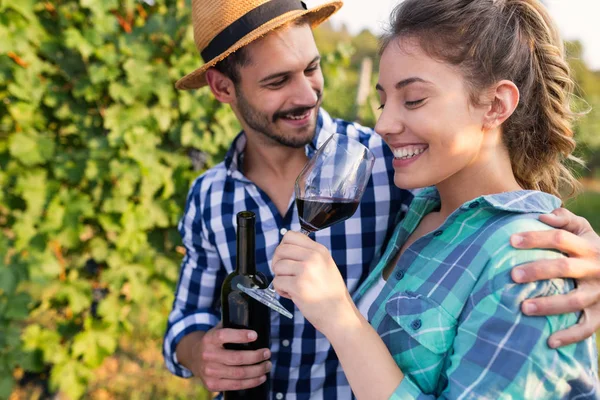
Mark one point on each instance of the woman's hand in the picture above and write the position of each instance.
(306, 274)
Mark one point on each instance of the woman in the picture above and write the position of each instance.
(475, 98)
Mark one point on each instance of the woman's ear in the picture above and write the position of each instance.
(504, 102)
(221, 86)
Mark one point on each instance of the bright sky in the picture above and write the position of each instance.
(577, 19)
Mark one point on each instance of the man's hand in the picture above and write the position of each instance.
(221, 369)
(576, 238)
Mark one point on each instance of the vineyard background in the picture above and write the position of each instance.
(97, 151)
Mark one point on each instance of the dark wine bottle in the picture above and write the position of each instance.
(240, 311)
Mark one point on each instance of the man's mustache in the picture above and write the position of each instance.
(296, 111)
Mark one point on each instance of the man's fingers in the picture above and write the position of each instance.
(236, 358)
(564, 219)
(555, 239)
(557, 268)
(238, 372)
(220, 385)
(574, 301)
(225, 335)
(578, 332)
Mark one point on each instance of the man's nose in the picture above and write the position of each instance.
(304, 93)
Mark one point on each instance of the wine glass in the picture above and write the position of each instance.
(327, 191)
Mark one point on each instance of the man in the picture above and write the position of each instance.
(263, 62)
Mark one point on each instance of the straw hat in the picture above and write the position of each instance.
(223, 26)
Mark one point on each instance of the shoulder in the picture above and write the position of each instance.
(209, 181)
(503, 257)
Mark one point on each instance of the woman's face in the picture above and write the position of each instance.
(427, 118)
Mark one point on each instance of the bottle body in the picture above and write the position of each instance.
(240, 311)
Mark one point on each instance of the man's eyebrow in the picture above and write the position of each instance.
(403, 83)
(284, 73)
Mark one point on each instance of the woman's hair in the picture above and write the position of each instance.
(492, 40)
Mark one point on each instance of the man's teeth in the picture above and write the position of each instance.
(298, 117)
(408, 152)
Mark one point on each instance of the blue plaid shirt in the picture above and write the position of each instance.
(449, 312)
(304, 363)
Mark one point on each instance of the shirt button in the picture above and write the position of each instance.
(474, 204)
(400, 275)
(437, 233)
(228, 173)
(279, 396)
(285, 343)
(283, 231)
(416, 324)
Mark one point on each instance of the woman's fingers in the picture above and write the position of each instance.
(287, 267)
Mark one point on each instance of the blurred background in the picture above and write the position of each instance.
(97, 152)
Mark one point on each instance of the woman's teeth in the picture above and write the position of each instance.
(408, 152)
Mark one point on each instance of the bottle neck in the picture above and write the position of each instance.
(246, 248)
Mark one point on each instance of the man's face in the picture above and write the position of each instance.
(279, 92)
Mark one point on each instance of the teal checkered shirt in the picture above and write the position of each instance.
(450, 313)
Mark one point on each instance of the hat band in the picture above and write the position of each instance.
(248, 23)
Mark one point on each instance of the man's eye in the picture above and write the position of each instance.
(381, 107)
(313, 69)
(277, 83)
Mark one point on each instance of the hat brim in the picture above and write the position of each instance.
(316, 16)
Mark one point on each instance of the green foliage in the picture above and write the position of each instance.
(587, 205)
(587, 104)
(97, 152)
(94, 169)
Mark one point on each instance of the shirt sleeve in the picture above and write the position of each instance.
(498, 352)
(197, 298)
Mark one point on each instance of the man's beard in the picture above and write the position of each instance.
(265, 124)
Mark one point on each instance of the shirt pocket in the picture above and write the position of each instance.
(423, 320)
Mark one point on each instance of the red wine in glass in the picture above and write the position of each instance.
(318, 213)
(327, 191)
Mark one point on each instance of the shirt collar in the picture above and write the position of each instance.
(519, 201)
(235, 154)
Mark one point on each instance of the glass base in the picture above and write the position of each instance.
(267, 297)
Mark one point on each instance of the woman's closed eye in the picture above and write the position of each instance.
(408, 104)
(414, 103)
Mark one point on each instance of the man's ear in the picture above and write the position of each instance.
(504, 102)
(221, 86)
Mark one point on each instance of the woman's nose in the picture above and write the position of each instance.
(389, 123)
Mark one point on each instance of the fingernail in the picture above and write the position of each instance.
(267, 354)
(529, 308)
(518, 275)
(252, 335)
(269, 365)
(555, 343)
(263, 378)
(516, 240)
